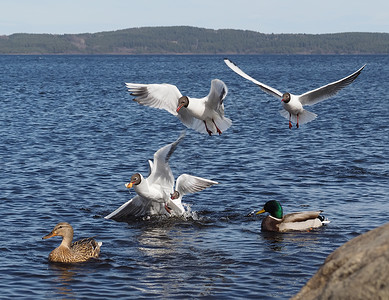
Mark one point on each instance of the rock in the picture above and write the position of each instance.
(359, 269)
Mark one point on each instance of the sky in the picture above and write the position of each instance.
(277, 16)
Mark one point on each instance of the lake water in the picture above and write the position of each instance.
(71, 137)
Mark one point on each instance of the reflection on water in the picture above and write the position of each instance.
(63, 276)
(276, 241)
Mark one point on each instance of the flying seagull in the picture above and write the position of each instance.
(205, 115)
(293, 104)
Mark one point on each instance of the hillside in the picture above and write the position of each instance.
(193, 40)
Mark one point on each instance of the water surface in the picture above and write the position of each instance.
(71, 136)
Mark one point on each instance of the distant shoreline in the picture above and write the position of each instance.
(186, 40)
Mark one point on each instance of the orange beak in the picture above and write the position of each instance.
(51, 234)
(129, 185)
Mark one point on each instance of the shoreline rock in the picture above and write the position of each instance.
(359, 269)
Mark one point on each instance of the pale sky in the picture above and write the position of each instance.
(277, 16)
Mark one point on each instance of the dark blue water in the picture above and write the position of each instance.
(70, 137)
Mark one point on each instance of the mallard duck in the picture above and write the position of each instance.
(294, 221)
(69, 252)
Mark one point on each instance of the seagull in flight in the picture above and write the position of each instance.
(293, 104)
(205, 115)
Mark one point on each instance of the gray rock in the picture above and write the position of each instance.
(359, 269)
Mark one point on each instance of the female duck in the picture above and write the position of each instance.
(277, 222)
(69, 252)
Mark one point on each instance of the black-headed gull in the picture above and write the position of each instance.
(186, 184)
(154, 191)
(205, 115)
(293, 104)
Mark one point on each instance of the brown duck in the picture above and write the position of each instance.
(69, 252)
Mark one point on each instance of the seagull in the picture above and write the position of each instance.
(186, 184)
(153, 191)
(293, 104)
(205, 115)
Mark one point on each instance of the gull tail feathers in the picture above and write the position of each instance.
(304, 117)
(223, 123)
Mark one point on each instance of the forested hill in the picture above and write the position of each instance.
(193, 40)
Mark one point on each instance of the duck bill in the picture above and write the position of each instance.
(51, 234)
(129, 185)
(260, 212)
(178, 108)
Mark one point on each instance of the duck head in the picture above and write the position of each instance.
(273, 207)
(61, 229)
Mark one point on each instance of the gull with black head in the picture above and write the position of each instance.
(293, 104)
(152, 192)
(205, 115)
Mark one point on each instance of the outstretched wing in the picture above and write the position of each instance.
(191, 184)
(326, 91)
(161, 173)
(135, 207)
(162, 96)
(267, 89)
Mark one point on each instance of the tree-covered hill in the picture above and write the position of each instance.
(193, 40)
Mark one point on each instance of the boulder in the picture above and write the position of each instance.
(359, 269)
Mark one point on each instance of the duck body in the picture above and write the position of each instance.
(298, 221)
(69, 252)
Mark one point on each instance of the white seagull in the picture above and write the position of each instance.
(186, 184)
(293, 104)
(205, 115)
(152, 192)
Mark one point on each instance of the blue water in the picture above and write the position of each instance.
(70, 137)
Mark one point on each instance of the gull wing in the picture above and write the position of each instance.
(267, 89)
(186, 184)
(326, 91)
(161, 173)
(216, 96)
(163, 96)
(135, 207)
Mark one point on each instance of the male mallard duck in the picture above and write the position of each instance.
(294, 221)
(69, 252)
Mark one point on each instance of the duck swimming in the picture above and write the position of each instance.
(69, 252)
(298, 221)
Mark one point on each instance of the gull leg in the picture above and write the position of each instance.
(290, 123)
(297, 125)
(218, 130)
(209, 131)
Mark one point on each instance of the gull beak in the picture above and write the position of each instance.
(178, 108)
(260, 212)
(51, 234)
(129, 185)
